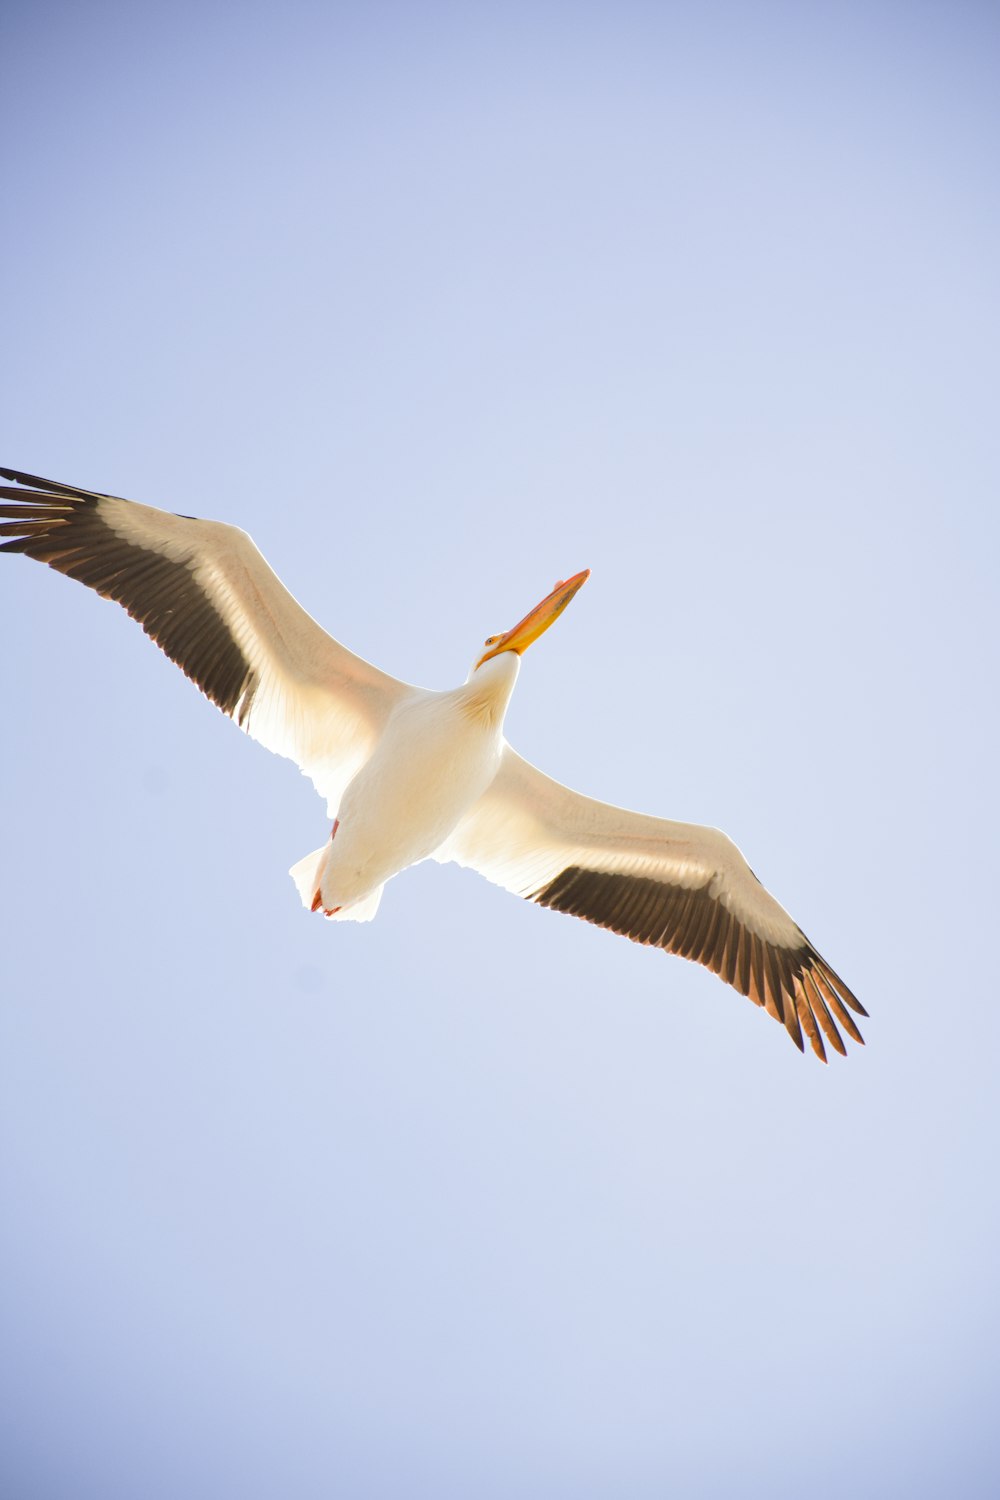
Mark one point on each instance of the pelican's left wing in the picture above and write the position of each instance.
(674, 885)
(202, 592)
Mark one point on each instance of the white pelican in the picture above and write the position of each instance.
(410, 774)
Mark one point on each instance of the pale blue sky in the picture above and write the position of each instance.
(442, 303)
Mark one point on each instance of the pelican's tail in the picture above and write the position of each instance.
(307, 873)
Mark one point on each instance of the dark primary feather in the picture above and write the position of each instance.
(57, 524)
(795, 985)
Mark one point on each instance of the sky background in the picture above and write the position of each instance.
(442, 303)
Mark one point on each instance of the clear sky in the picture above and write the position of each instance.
(441, 303)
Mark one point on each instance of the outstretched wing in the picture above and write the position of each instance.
(676, 886)
(202, 591)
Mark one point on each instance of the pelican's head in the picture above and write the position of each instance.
(531, 627)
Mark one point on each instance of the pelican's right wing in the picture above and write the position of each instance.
(677, 886)
(202, 592)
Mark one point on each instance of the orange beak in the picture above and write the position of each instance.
(539, 620)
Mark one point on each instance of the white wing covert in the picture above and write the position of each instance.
(206, 596)
(676, 886)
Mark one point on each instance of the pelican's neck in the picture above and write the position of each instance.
(486, 693)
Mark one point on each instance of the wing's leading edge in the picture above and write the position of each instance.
(676, 886)
(206, 596)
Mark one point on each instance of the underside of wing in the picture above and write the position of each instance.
(676, 886)
(206, 596)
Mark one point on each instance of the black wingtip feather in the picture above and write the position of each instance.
(67, 528)
(691, 923)
(52, 486)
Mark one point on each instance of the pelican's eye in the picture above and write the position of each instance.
(491, 640)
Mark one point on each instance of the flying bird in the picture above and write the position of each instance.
(410, 774)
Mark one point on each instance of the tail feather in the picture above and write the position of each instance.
(306, 875)
(361, 911)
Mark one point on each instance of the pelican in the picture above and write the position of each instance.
(409, 774)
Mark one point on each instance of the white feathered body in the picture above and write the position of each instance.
(438, 754)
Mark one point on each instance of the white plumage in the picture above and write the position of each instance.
(410, 774)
